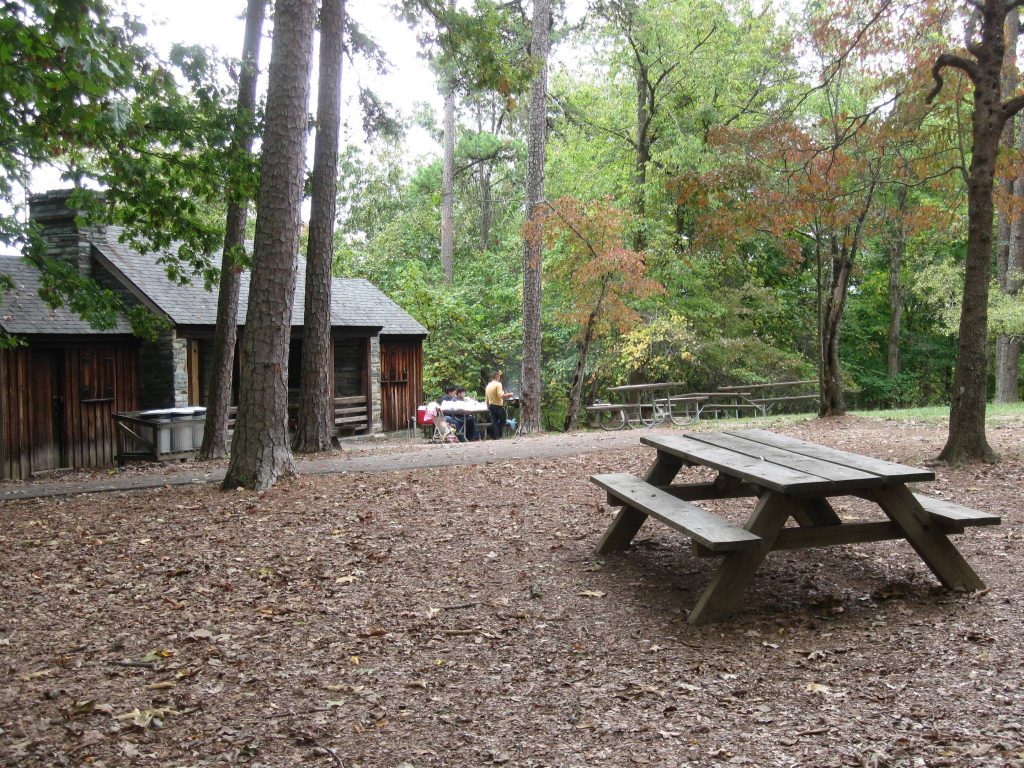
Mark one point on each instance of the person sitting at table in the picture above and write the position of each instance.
(471, 430)
(455, 420)
(495, 396)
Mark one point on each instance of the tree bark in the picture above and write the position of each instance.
(485, 206)
(1007, 366)
(1010, 253)
(831, 396)
(225, 335)
(533, 252)
(967, 440)
(260, 451)
(582, 353)
(314, 425)
(448, 177)
(644, 113)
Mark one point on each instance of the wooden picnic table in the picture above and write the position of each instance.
(791, 479)
(656, 401)
(764, 396)
(772, 385)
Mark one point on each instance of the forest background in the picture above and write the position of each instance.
(734, 192)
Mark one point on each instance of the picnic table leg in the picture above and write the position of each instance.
(628, 521)
(937, 551)
(737, 569)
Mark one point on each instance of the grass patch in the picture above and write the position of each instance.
(998, 413)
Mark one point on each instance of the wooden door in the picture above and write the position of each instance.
(401, 377)
(46, 414)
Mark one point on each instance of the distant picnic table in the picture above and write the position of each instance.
(655, 403)
(789, 478)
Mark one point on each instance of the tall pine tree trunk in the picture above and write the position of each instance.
(448, 187)
(1008, 277)
(314, 425)
(260, 451)
(448, 176)
(1007, 346)
(533, 251)
(1010, 253)
(218, 401)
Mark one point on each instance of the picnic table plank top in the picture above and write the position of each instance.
(891, 471)
(786, 465)
(643, 387)
(762, 473)
(839, 474)
(773, 385)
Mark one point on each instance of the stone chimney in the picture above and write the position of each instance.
(64, 238)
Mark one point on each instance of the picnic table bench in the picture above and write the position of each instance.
(762, 395)
(615, 416)
(791, 479)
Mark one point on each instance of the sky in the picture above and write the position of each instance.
(409, 81)
(220, 24)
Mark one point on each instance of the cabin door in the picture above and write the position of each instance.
(401, 385)
(46, 415)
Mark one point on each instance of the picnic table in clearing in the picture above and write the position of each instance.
(655, 405)
(789, 478)
(765, 396)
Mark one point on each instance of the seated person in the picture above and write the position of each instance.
(455, 420)
(464, 424)
(471, 430)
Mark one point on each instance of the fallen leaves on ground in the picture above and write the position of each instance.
(459, 618)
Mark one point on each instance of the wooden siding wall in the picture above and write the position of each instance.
(401, 381)
(91, 383)
(349, 366)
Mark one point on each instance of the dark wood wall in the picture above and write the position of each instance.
(401, 380)
(57, 404)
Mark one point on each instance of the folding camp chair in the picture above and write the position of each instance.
(443, 431)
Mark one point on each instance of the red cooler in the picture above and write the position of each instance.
(422, 420)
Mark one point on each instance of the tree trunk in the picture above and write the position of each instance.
(1010, 259)
(260, 452)
(225, 335)
(486, 213)
(582, 352)
(832, 403)
(895, 293)
(643, 152)
(1008, 347)
(314, 425)
(533, 248)
(448, 177)
(967, 439)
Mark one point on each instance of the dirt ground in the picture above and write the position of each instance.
(456, 616)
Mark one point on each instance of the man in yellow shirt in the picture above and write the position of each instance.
(495, 397)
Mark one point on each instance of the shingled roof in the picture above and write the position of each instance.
(354, 302)
(23, 312)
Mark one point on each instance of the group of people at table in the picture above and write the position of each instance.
(458, 410)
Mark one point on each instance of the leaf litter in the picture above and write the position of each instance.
(457, 618)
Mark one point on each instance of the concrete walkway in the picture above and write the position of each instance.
(406, 455)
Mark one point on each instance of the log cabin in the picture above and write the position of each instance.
(60, 389)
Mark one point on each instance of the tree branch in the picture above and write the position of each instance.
(950, 60)
(1013, 106)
